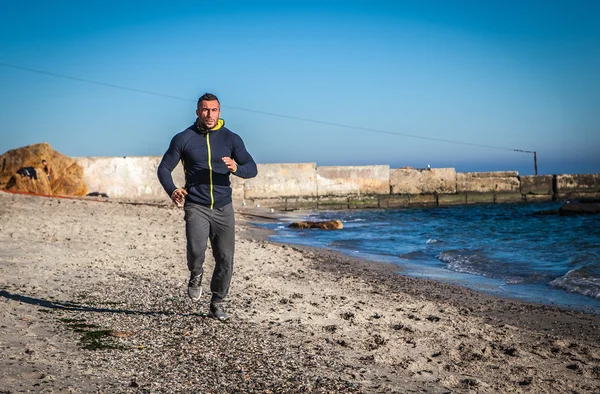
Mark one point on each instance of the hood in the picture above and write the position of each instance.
(220, 123)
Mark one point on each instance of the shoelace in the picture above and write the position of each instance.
(195, 281)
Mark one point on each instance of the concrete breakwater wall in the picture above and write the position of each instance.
(291, 186)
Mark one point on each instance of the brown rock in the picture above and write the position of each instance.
(23, 183)
(65, 177)
(326, 225)
(121, 334)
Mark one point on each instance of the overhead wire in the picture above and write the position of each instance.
(297, 118)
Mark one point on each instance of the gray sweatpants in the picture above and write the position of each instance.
(218, 225)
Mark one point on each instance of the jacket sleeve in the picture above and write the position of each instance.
(167, 164)
(246, 167)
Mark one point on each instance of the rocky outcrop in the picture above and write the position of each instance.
(65, 177)
(326, 225)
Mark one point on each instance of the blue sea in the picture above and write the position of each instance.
(503, 249)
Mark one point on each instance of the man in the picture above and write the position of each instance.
(47, 169)
(209, 152)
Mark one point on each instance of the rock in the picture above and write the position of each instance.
(325, 225)
(120, 334)
(582, 208)
(37, 183)
(97, 194)
(65, 177)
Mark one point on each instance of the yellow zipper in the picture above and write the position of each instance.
(212, 198)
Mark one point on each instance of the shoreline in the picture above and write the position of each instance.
(494, 308)
(269, 217)
(302, 318)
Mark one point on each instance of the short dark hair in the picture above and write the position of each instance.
(43, 160)
(208, 97)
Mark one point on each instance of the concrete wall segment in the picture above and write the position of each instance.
(416, 181)
(479, 198)
(504, 197)
(536, 184)
(451, 199)
(363, 202)
(332, 203)
(237, 188)
(353, 180)
(126, 177)
(422, 200)
(568, 183)
(580, 196)
(487, 182)
(538, 197)
(293, 186)
(394, 201)
(492, 174)
(282, 180)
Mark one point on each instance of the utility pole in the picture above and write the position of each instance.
(534, 157)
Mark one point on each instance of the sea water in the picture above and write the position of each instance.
(509, 250)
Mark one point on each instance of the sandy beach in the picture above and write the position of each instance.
(93, 299)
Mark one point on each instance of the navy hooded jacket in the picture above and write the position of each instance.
(206, 175)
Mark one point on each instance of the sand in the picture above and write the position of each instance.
(93, 299)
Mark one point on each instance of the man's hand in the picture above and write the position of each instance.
(178, 196)
(230, 163)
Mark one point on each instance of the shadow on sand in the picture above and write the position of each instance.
(72, 306)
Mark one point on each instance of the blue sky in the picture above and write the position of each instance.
(498, 75)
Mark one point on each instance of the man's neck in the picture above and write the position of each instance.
(205, 128)
(201, 126)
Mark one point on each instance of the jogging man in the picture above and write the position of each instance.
(209, 152)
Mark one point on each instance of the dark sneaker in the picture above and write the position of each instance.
(195, 287)
(217, 311)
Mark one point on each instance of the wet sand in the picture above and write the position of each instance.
(93, 299)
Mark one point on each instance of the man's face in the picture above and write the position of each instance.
(208, 113)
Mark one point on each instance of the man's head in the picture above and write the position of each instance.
(44, 162)
(209, 110)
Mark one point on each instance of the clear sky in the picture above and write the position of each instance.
(500, 73)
